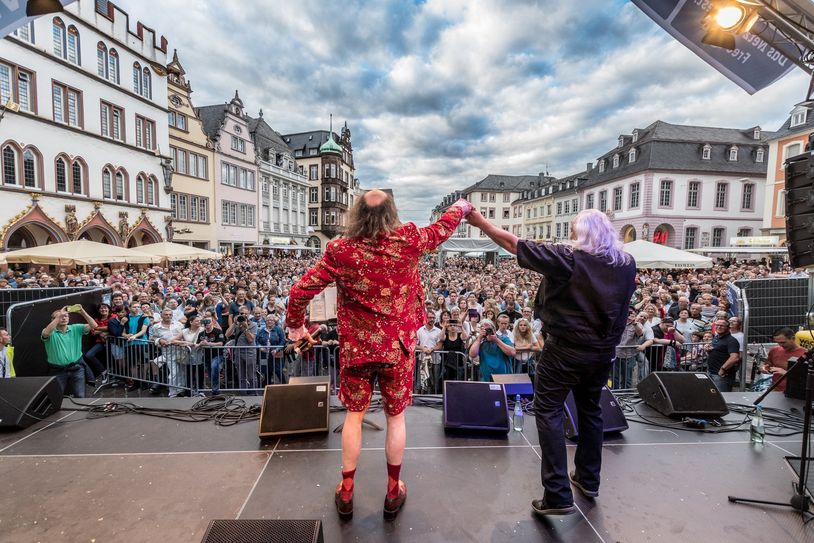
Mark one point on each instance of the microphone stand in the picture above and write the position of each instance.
(800, 501)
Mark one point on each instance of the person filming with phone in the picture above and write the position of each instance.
(63, 346)
(493, 348)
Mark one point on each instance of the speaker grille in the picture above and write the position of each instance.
(264, 531)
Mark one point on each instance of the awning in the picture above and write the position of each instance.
(654, 255)
(80, 253)
(742, 250)
(170, 251)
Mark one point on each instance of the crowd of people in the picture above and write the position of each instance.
(480, 321)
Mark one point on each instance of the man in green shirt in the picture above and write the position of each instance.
(63, 345)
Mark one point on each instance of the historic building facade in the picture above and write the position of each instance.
(790, 140)
(236, 193)
(327, 161)
(494, 195)
(683, 186)
(192, 199)
(83, 142)
(283, 211)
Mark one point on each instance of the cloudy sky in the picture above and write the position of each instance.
(440, 93)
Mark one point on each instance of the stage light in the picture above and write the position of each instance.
(34, 8)
(728, 17)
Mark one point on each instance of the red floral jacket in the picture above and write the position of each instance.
(380, 301)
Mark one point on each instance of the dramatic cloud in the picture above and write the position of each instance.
(438, 94)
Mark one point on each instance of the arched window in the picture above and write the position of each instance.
(113, 66)
(76, 177)
(151, 189)
(74, 54)
(101, 60)
(60, 47)
(9, 165)
(29, 169)
(146, 84)
(120, 187)
(107, 184)
(62, 175)
(140, 189)
(137, 78)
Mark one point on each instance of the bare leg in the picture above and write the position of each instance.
(396, 439)
(352, 439)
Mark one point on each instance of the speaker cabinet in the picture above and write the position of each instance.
(682, 394)
(613, 419)
(299, 407)
(264, 531)
(27, 400)
(800, 210)
(475, 405)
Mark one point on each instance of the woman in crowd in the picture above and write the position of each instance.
(453, 356)
(95, 357)
(525, 344)
(439, 305)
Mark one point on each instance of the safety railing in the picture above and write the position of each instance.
(198, 369)
(432, 369)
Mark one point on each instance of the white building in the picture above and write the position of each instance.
(83, 130)
(493, 197)
(283, 188)
(683, 186)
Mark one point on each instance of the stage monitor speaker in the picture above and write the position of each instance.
(800, 210)
(25, 400)
(514, 383)
(613, 419)
(682, 394)
(796, 380)
(264, 531)
(475, 405)
(299, 407)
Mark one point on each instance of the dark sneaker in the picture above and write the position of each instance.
(392, 507)
(591, 494)
(542, 508)
(343, 507)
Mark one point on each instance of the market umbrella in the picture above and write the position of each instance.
(167, 250)
(79, 253)
(654, 255)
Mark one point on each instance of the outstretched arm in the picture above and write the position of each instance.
(504, 238)
(438, 232)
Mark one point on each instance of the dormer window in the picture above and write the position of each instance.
(631, 156)
(616, 160)
(601, 166)
(706, 154)
(759, 155)
(798, 116)
(756, 135)
(621, 141)
(635, 136)
(733, 153)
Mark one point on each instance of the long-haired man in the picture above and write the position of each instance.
(375, 266)
(583, 303)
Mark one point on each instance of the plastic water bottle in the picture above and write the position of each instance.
(757, 431)
(517, 419)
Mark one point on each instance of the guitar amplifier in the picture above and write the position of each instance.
(301, 406)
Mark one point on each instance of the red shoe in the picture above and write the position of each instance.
(392, 507)
(343, 507)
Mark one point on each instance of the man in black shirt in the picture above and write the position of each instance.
(584, 299)
(723, 357)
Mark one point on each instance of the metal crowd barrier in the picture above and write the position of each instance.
(229, 368)
(431, 370)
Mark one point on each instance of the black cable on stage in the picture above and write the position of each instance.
(222, 410)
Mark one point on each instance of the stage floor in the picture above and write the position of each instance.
(134, 478)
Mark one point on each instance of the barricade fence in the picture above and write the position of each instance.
(246, 369)
(194, 369)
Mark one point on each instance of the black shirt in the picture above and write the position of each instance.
(722, 347)
(215, 336)
(583, 299)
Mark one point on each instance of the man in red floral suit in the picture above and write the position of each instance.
(380, 307)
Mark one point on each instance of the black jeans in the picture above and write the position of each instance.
(564, 368)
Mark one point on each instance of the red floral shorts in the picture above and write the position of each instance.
(395, 384)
